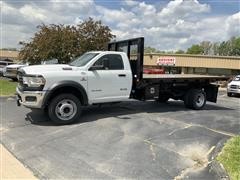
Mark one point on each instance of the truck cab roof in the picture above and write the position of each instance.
(107, 52)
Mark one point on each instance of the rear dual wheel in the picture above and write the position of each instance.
(195, 99)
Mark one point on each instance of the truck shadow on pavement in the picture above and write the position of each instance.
(96, 112)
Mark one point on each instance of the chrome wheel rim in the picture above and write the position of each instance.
(200, 100)
(66, 109)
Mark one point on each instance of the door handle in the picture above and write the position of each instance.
(122, 75)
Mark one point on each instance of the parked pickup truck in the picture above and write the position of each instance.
(105, 77)
(10, 71)
(233, 87)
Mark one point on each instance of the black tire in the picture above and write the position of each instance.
(38, 111)
(45, 110)
(195, 99)
(42, 111)
(64, 109)
(14, 79)
(229, 94)
(162, 99)
(186, 101)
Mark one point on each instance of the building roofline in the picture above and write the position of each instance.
(194, 55)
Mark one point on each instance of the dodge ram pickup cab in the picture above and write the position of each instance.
(105, 77)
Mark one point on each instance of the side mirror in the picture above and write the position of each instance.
(96, 67)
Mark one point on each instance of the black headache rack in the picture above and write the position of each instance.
(134, 48)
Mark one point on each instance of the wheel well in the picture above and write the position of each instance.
(66, 89)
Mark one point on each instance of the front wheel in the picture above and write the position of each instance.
(64, 109)
(195, 99)
(229, 94)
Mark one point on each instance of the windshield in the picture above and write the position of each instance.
(83, 60)
(22, 63)
(51, 61)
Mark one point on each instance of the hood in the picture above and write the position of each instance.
(39, 69)
(16, 65)
(234, 83)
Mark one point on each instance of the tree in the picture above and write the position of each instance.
(65, 42)
(230, 47)
(53, 41)
(215, 48)
(93, 35)
(235, 46)
(224, 48)
(149, 49)
(179, 52)
(195, 49)
(206, 47)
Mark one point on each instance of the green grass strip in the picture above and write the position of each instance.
(7, 87)
(230, 157)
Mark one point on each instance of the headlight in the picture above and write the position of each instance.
(33, 81)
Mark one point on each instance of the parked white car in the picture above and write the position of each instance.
(234, 86)
(3, 64)
(10, 71)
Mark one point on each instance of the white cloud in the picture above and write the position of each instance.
(130, 2)
(109, 15)
(72, 7)
(12, 34)
(233, 24)
(184, 8)
(19, 21)
(33, 14)
(177, 25)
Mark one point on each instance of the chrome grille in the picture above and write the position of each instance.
(20, 78)
(234, 86)
(11, 70)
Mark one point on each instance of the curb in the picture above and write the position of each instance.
(15, 169)
(216, 167)
(6, 97)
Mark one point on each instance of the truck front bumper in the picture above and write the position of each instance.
(30, 99)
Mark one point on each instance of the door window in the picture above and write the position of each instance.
(110, 62)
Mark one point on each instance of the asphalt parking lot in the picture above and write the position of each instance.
(127, 140)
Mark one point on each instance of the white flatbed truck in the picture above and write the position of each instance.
(105, 77)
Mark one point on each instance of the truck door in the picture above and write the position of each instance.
(109, 83)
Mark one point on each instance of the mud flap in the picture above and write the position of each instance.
(211, 92)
